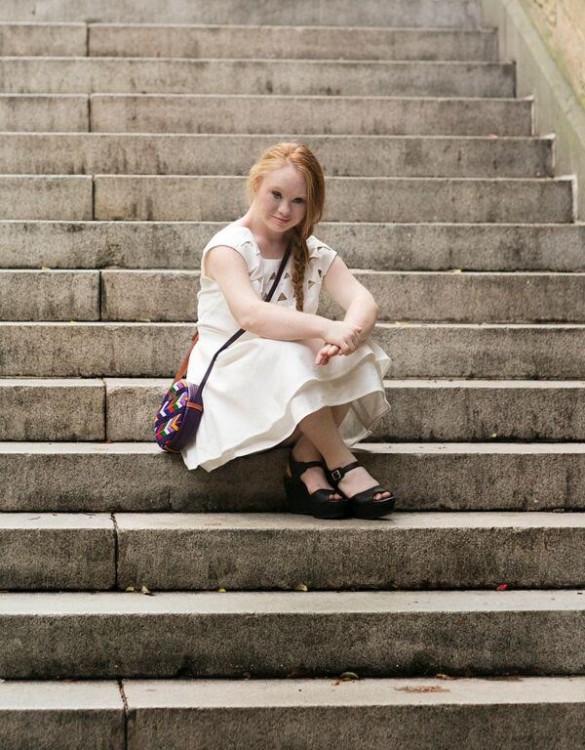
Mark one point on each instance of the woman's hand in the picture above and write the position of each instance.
(345, 336)
(325, 353)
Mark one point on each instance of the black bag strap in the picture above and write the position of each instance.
(237, 334)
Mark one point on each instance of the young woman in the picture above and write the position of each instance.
(295, 377)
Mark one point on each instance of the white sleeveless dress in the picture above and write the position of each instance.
(260, 389)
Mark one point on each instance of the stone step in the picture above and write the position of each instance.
(58, 551)
(264, 114)
(122, 409)
(349, 199)
(273, 42)
(139, 477)
(185, 551)
(418, 350)
(370, 156)
(477, 297)
(70, 40)
(432, 247)
(53, 197)
(443, 13)
(432, 296)
(278, 42)
(272, 634)
(371, 199)
(66, 113)
(83, 75)
(49, 295)
(365, 115)
(418, 713)
(66, 715)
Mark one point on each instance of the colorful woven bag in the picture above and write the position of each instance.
(178, 418)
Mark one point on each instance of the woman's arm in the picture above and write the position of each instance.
(360, 307)
(227, 267)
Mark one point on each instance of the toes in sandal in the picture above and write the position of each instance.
(362, 504)
(319, 503)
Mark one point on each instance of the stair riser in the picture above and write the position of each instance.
(271, 645)
(276, 43)
(433, 247)
(43, 559)
(77, 40)
(184, 558)
(298, 77)
(461, 298)
(54, 198)
(514, 727)
(336, 115)
(171, 296)
(141, 478)
(422, 13)
(37, 411)
(231, 155)
(349, 199)
(417, 351)
(62, 114)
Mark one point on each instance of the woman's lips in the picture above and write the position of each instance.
(281, 221)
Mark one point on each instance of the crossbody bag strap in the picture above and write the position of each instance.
(267, 297)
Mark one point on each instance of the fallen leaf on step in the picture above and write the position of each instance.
(494, 434)
(301, 587)
(45, 268)
(221, 591)
(348, 676)
(442, 676)
(145, 590)
(425, 689)
(493, 137)
(502, 587)
(457, 270)
(130, 588)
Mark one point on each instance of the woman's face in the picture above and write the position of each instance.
(281, 200)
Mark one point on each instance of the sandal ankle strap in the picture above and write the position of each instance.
(338, 474)
(299, 467)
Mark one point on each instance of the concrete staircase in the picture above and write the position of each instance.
(148, 608)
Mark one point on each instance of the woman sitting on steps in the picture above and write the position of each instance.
(295, 377)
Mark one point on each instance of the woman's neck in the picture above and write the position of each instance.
(271, 244)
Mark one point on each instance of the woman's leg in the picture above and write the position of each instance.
(321, 439)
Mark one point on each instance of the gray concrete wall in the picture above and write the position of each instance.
(557, 107)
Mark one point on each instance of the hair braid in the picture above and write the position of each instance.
(300, 255)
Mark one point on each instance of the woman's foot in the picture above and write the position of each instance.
(367, 499)
(308, 490)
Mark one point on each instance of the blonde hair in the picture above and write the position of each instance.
(303, 159)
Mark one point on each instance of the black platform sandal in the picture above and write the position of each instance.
(319, 503)
(362, 504)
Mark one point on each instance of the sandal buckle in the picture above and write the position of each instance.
(337, 475)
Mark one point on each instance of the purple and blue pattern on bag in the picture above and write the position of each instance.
(179, 416)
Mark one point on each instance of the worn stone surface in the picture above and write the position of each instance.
(46, 197)
(421, 296)
(41, 409)
(49, 295)
(83, 75)
(29, 113)
(407, 551)
(430, 247)
(133, 477)
(270, 634)
(374, 115)
(349, 199)
(418, 714)
(54, 714)
(276, 42)
(57, 551)
(52, 40)
(463, 13)
(349, 156)
(417, 350)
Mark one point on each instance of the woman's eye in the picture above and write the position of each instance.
(298, 200)
(276, 194)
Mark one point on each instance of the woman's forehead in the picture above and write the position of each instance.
(287, 177)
